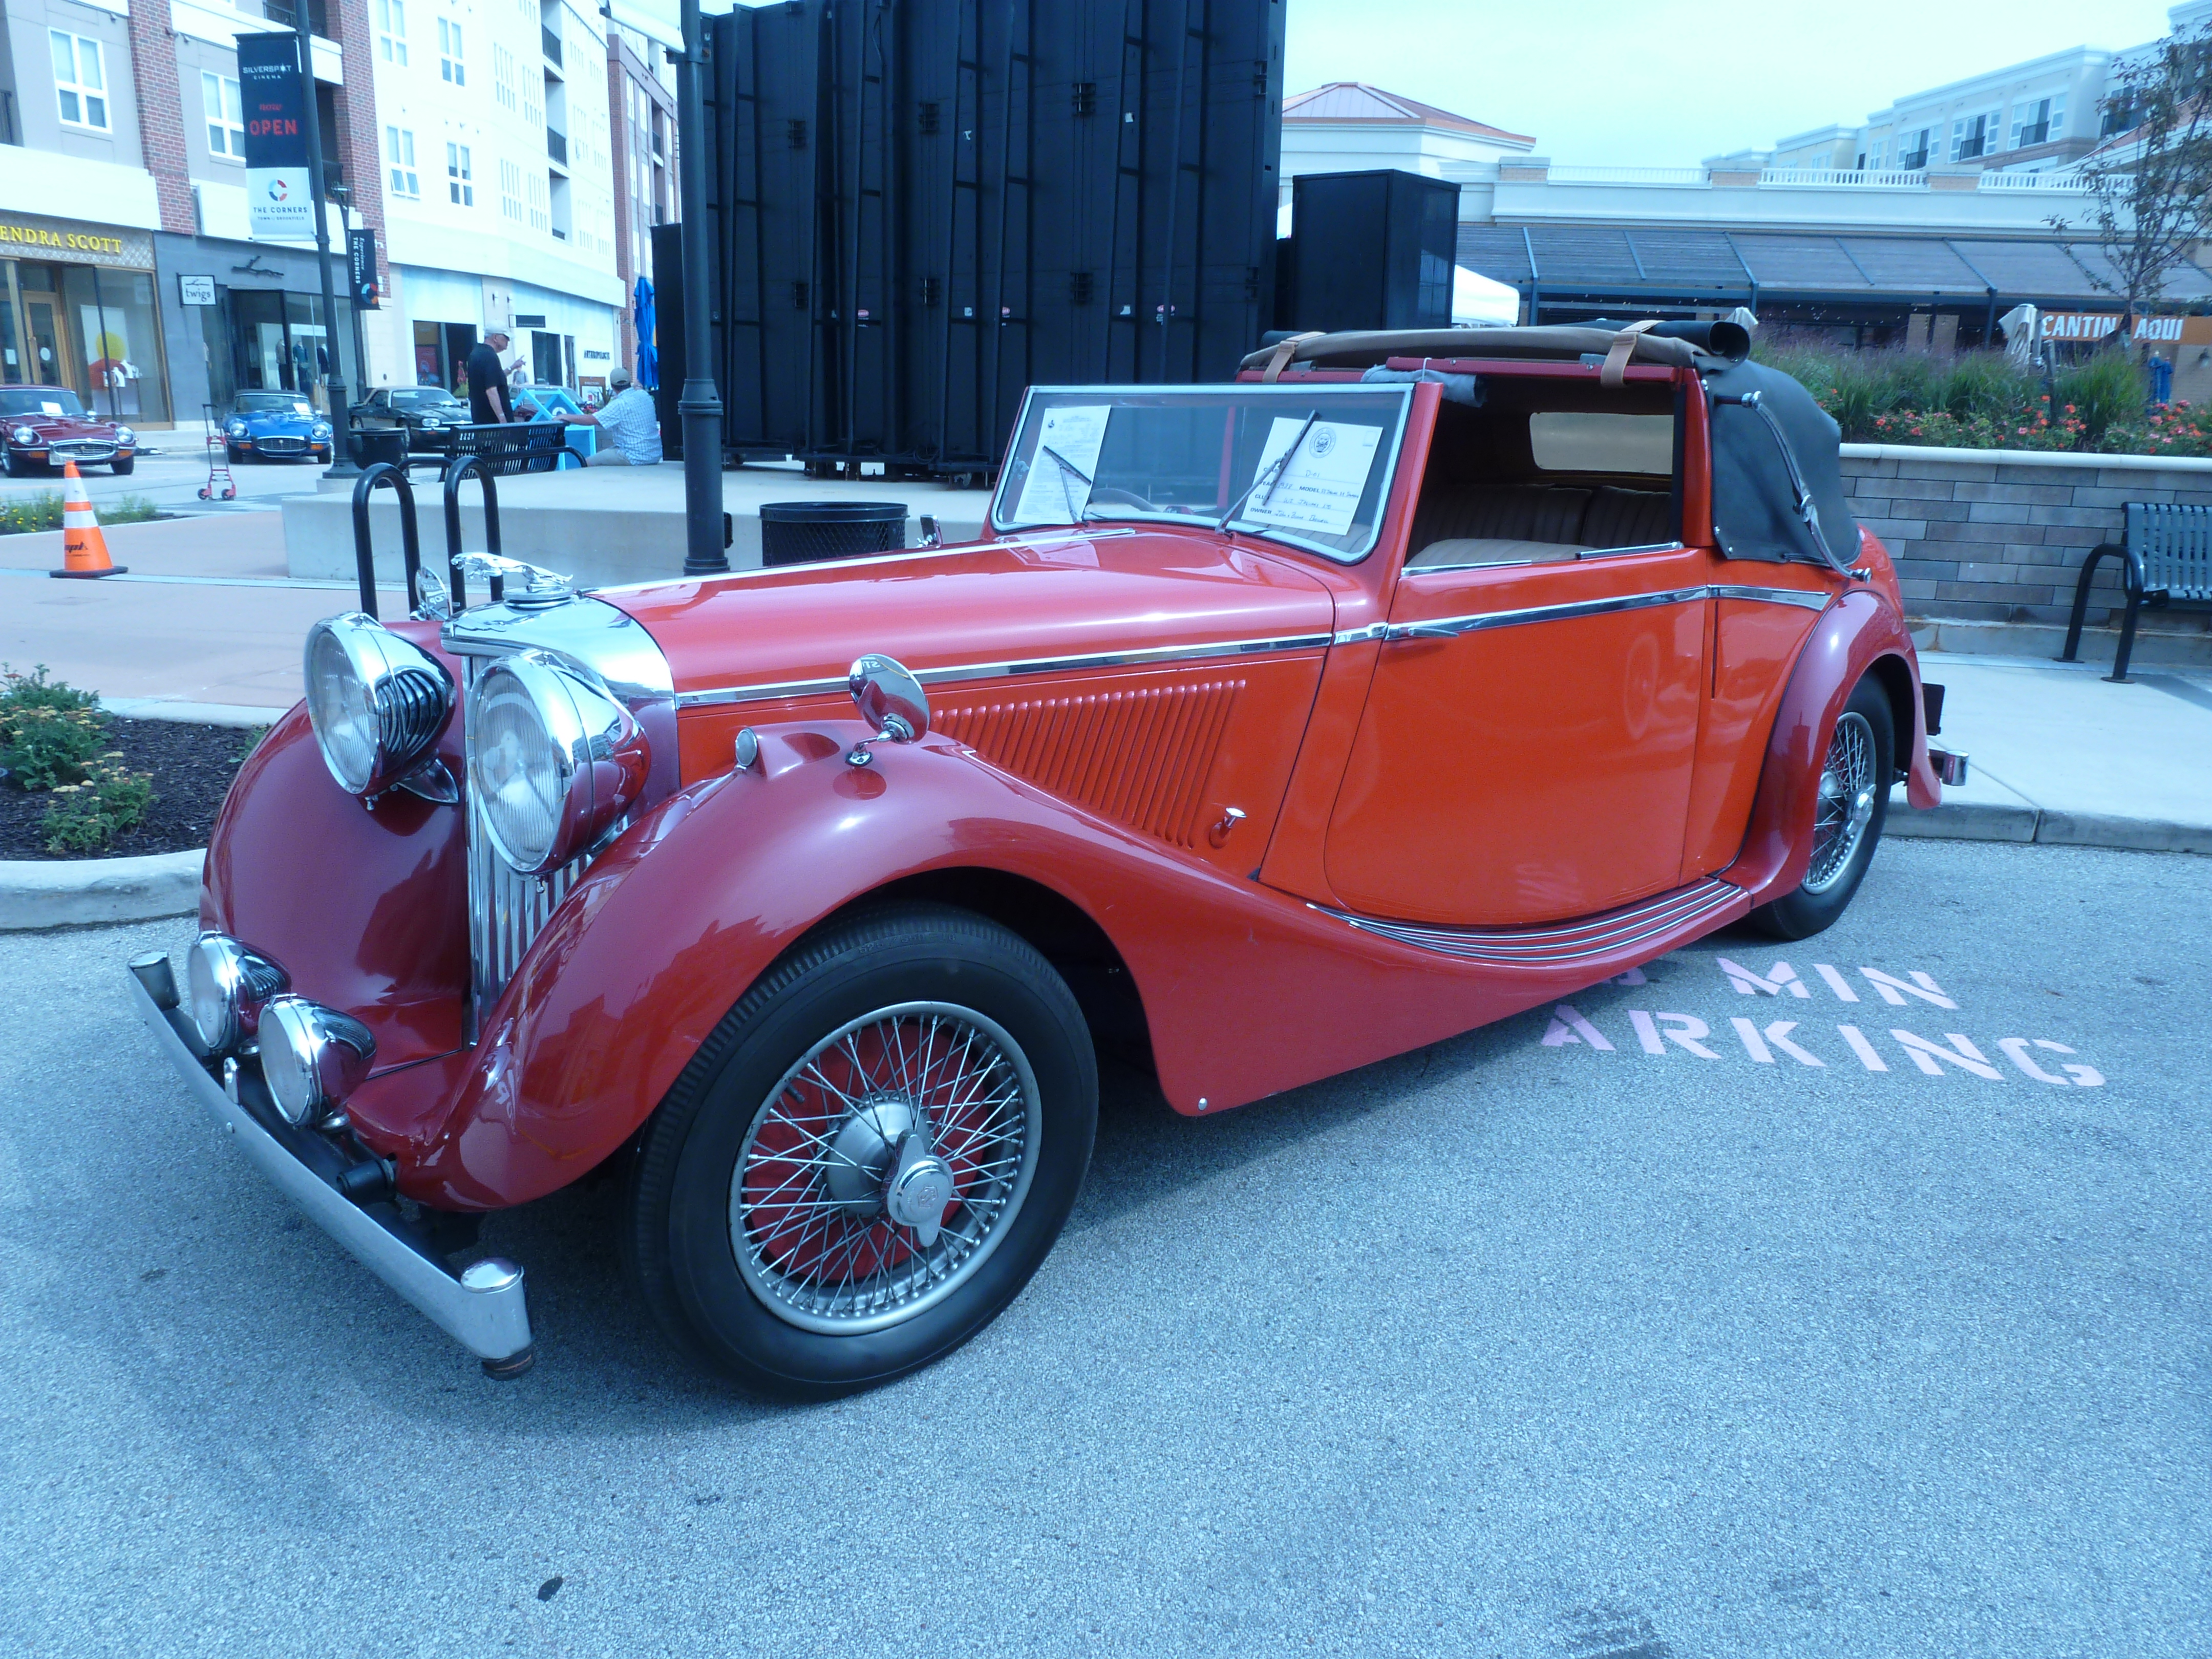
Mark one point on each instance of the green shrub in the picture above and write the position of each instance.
(21, 514)
(49, 732)
(87, 816)
(2104, 390)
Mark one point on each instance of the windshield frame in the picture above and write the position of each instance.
(1394, 436)
(418, 397)
(40, 394)
(288, 408)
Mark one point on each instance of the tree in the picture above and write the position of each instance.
(2150, 186)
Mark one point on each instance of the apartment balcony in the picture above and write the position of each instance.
(552, 44)
(556, 146)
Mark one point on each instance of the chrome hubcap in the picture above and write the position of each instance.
(1846, 802)
(885, 1168)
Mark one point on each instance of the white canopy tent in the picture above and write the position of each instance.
(1479, 302)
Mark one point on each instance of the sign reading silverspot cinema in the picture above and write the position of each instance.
(275, 94)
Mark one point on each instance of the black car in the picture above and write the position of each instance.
(428, 413)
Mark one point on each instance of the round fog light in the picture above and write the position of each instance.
(229, 984)
(312, 1057)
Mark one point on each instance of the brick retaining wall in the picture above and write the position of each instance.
(1999, 535)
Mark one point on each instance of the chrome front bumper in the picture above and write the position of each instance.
(1950, 766)
(482, 1308)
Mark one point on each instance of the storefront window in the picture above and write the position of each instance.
(117, 363)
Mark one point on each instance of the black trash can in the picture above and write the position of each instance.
(373, 444)
(799, 532)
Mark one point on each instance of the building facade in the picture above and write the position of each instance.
(476, 139)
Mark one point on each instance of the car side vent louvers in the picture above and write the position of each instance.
(1141, 756)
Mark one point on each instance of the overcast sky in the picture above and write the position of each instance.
(1664, 82)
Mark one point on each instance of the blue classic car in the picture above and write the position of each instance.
(274, 426)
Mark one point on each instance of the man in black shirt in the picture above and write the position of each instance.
(488, 394)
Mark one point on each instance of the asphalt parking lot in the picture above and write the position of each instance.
(1857, 1309)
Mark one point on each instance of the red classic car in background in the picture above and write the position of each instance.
(1276, 728)
(44, 426)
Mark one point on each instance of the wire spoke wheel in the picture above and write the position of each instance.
(1847, 793)
(884, 1167)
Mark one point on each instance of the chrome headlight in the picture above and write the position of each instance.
(24, 434)
(377, 701)
(430, 420)
(555, 759)
(229, 985)
(320, 430)
(312, 1057)
(123, 434)
(237, 429)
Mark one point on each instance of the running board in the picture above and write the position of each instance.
(1609, 934)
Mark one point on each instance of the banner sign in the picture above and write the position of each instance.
(2098, 326)
(360, 247)
(279, 205)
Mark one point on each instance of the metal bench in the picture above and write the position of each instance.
(2165, 561)
(512, 446)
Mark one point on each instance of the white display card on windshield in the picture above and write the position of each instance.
(1066, 461)
(1320, 489)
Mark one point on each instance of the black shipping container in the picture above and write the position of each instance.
(1341, 220)
(919, 210)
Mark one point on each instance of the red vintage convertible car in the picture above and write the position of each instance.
(41, 426)
(1407, 683)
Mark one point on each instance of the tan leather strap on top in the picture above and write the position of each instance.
(1616, 358)
(1284, 350)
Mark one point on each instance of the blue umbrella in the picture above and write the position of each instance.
(648, 359)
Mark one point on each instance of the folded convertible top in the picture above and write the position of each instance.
(1703, 346)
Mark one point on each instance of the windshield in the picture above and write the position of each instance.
(1309, 465)
(273, 403)
(38, 400)
(433, 398)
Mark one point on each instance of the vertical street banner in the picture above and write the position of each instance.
(278, 203)
(360, 249)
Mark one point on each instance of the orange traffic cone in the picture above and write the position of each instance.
(84, 546)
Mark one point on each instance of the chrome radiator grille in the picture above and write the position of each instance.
(506, 911)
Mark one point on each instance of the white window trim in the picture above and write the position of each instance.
(84, 92)
(218, 116)
(392, 31)
(400, 165)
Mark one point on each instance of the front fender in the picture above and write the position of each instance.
(1857, 635)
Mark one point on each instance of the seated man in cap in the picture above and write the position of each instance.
(629, 426)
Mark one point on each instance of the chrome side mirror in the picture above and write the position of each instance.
(892, 702)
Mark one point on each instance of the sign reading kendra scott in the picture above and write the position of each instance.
(24, 236)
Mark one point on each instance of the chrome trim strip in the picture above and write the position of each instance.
(1578, 555)
(1451, 627)
(1442, 628)
(1549, 947)
(1798, 596)
(492, 1323)
(985, 671)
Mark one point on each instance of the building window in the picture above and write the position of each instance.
(401, 144)
(1912, 151)
(79, 80)
(392, 31)
(226, 123)
(460, 181)
(1874, 155)
(510, 190)
(1974, 135)
(502, 76)
(450, 67)
(540, 219)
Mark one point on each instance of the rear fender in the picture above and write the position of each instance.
(1857, 635)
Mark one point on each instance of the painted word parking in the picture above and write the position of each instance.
(1866, 1039)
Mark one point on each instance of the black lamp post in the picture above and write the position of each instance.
(700, 407)
(342, 465)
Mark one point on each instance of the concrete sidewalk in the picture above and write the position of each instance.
(2062, 756)
(209, 617)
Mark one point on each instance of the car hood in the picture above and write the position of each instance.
(1027, 600)
(279, 426)
(51, 427)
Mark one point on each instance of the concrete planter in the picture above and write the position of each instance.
(79, 892)
(1998, 536)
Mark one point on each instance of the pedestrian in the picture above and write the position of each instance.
(629, 424)
(488, 401)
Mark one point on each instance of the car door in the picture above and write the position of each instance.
(1530, 740)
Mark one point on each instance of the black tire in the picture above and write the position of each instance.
(1826, 893)
(17, 467)
(124, 468)
(677, 1233)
